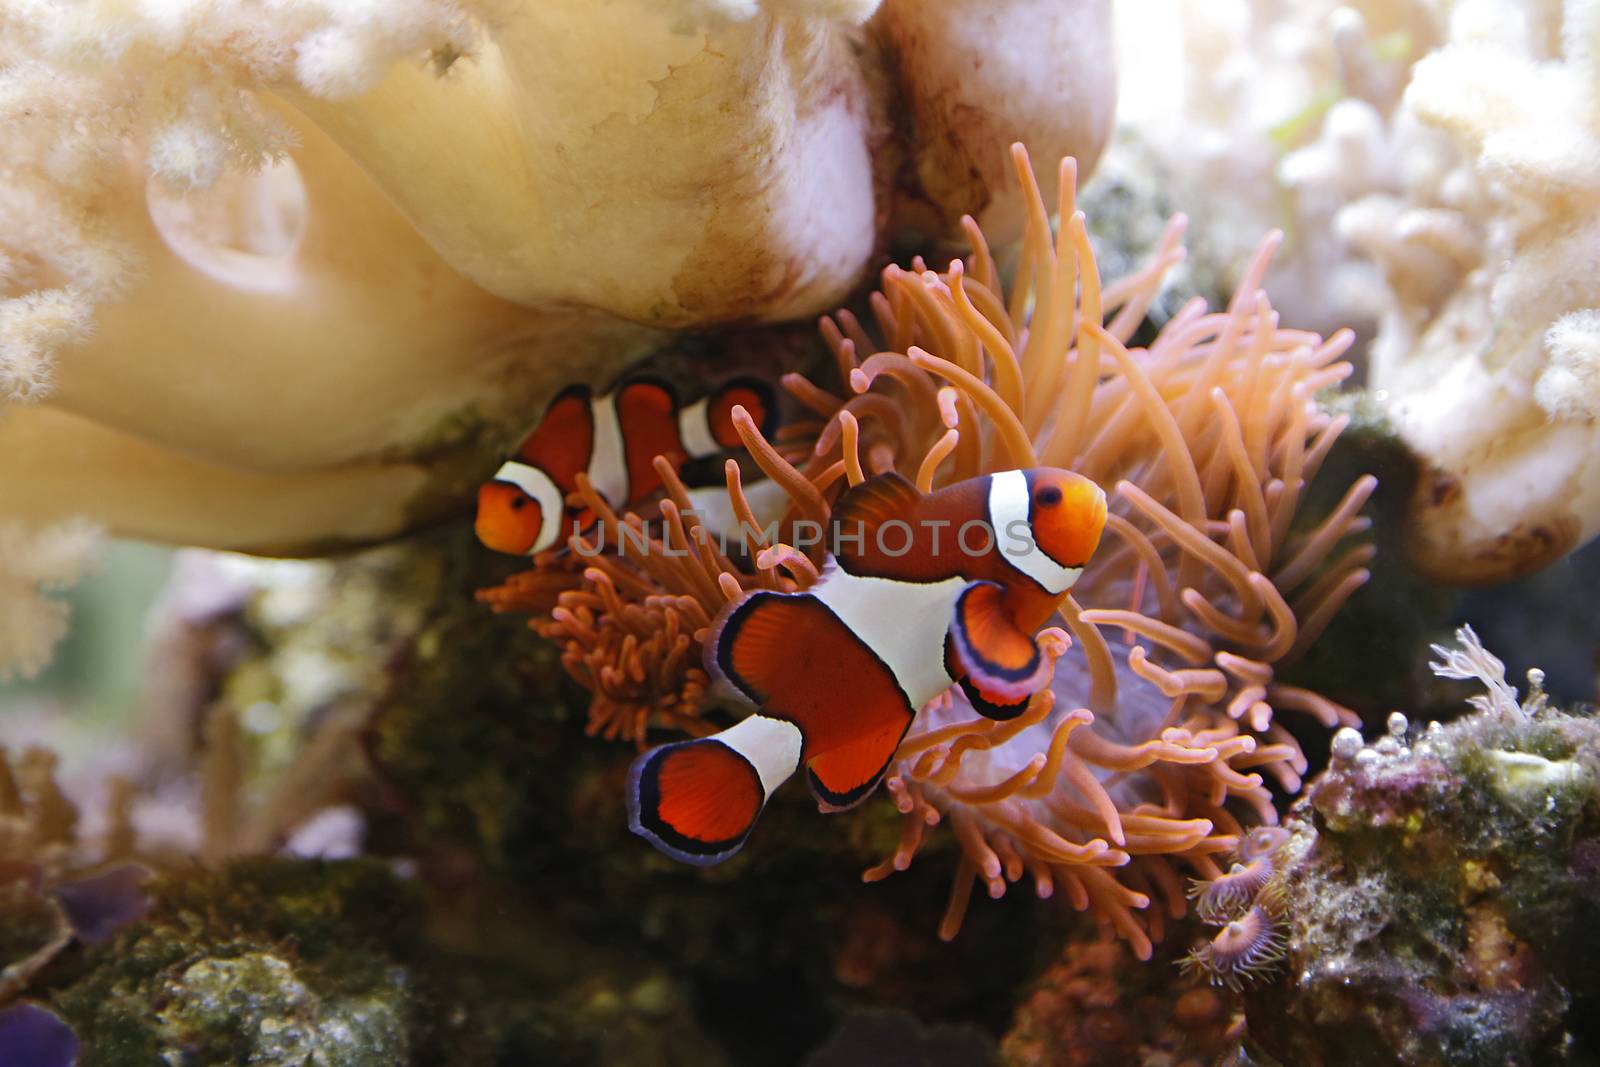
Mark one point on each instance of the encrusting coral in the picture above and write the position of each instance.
(1437, 889)
(1096, 1006)
(281, 277)
(1149, 750)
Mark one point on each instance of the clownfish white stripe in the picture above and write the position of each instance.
(768, 501)
(608, 464)
(771, 745)
(695, 431)
(900, 638)
(1009, 508)
(537, 485)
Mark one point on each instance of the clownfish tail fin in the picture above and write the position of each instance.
(697, 801)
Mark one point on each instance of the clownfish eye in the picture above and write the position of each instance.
(517, 502)
(1048, 497)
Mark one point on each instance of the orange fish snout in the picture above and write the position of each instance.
(509, 519)
(1068, 514)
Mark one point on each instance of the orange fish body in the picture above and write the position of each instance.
(614, 439)
(922, 591)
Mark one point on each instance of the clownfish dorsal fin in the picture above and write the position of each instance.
(864, 508)
(846, 776)
(562, 443)
(998, 664)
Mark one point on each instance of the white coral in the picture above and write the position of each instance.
(1472, 662)
(334, 253)
(1488, 351)
(33, 564)
(1267, 114)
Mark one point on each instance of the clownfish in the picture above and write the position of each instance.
(921, 592)
(614, 439)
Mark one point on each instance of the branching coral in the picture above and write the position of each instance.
(1149, 750)
(1272, 114)
(284, 275)
(34, 562)
(1488, 347)
(1433, 164)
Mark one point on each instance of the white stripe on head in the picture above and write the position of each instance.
(608, 458)
(1010, 503)
(771, 745)
(694, 430)
(539, 487)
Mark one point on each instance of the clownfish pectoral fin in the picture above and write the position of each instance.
(866, 507)
(697, 801)
(752, 643)
(846, 776)
(991, 707)
(991, 656)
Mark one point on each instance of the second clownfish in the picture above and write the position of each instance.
(614, 439)
(922, 592)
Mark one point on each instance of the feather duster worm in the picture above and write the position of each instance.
(1148, 753)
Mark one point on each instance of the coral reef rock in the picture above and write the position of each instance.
(1440, 894)
(289, 963)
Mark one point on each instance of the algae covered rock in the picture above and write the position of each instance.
(1441, 896)
(295, 963)
(266, 962)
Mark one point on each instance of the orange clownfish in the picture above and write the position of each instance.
(614, 439)
(922, 592)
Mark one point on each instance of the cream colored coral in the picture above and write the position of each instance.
(481, 200)
(1488, 354)
(1265, 114)
(33, 564)
(1569, 388)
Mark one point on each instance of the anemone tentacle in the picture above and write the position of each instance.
(1150, 752)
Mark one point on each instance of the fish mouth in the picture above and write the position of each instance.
(497, 540)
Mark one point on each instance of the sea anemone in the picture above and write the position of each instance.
(1147, 752)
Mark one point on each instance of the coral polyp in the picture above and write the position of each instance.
(1231, 892)
(1149, 754)
(1242, 950)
